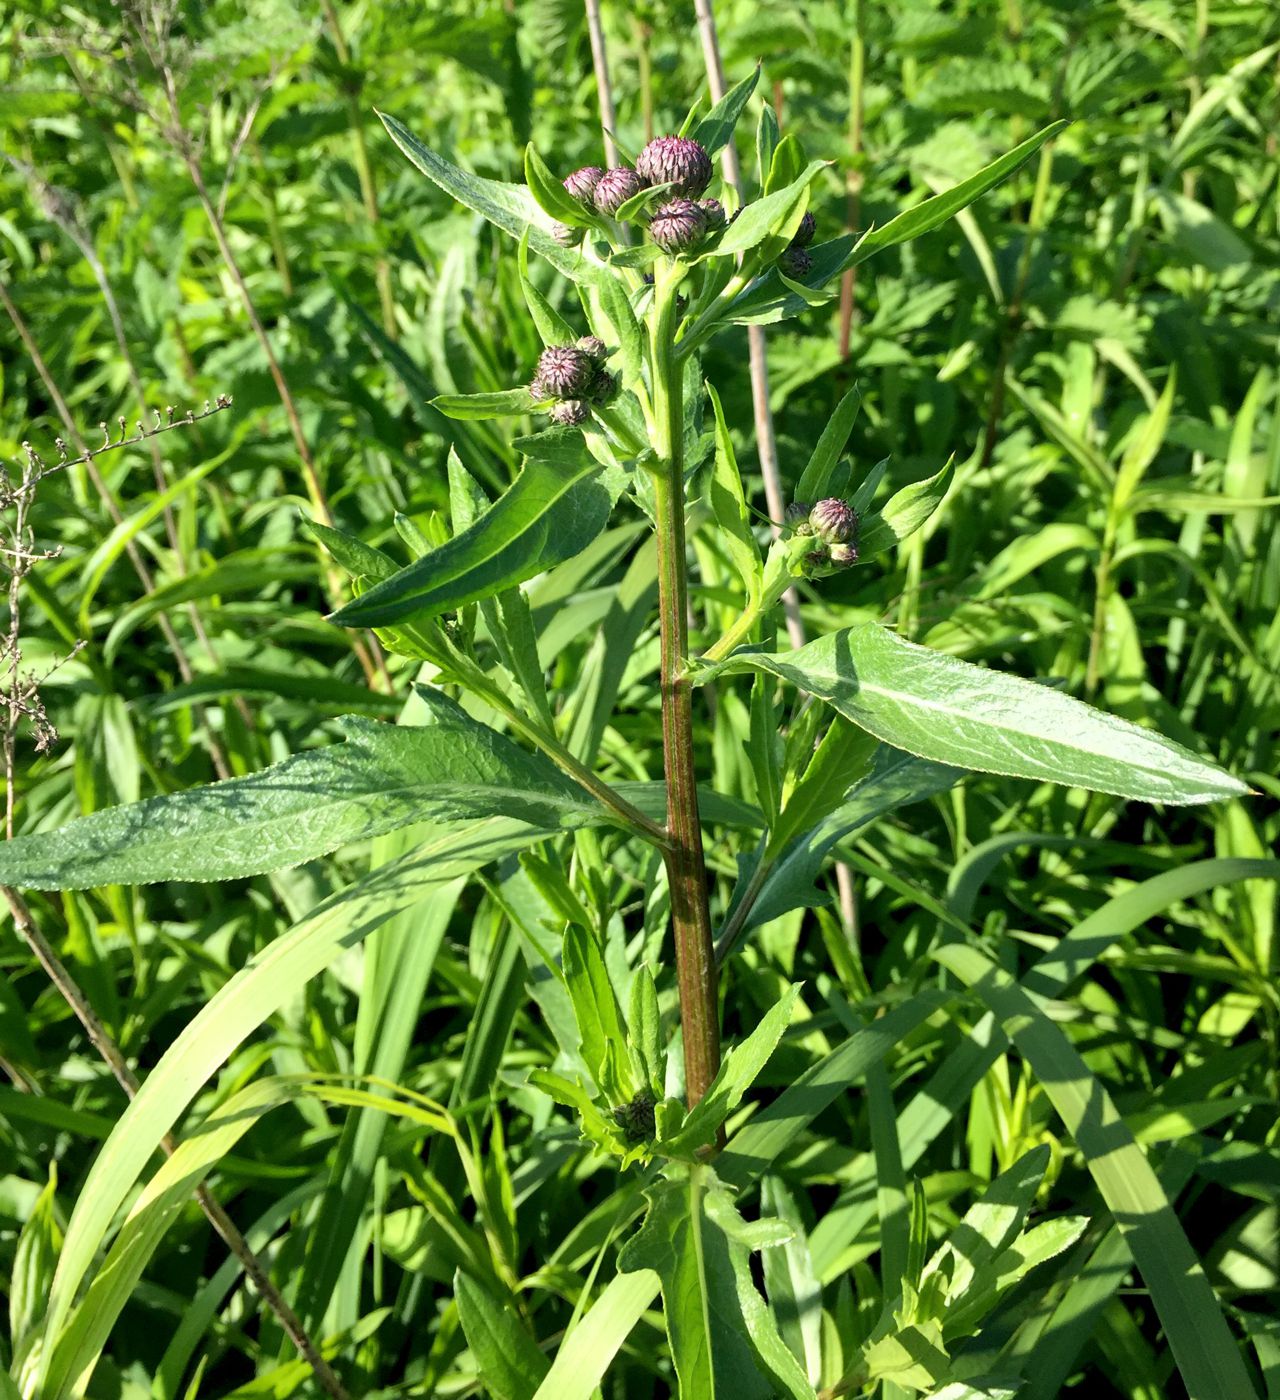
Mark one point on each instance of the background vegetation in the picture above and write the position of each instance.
(241, 225)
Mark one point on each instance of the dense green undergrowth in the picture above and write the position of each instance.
(1063, 987)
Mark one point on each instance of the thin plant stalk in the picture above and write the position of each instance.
(766, 440)
(853, 181)
(604, 88)
(686, 866)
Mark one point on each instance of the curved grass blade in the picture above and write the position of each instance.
(588, 1351)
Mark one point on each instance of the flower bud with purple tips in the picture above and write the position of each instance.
(563, 372)
(678, 161)
(796, 262)
(582, 183)
(678, 226)
(834, 521)
(594, 349)
(569, 413)
(804, 234)
(714, 213)
(615, 187)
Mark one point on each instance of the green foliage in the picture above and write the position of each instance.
(1013, 1136)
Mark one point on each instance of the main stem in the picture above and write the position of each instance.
(686, 869)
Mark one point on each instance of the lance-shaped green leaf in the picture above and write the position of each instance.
(904, 513)
(510, 207)
(502, 403)
(817, 473)
(510, 1362)
(550, 193)
(558, 504)
(383, 777)
(777, 215)
(737, 1073)
(724, 1340)
(715, 130)
(950, 711)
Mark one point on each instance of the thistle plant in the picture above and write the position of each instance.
(854, 724)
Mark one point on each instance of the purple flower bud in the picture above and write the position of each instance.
(715, 215)
(678, 225)
(843, 554)
(569, 413)
(804, 234)
(581, 184)
(594, 348)
(563, 371)
(565, 235)
(616, 186)
(677, 161)
(603, 387)
(538, 390)
(636, 1119)
(834, 521)
(795, 262)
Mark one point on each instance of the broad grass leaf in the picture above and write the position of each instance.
(589, 1349)
(382, 777)
(950, 711)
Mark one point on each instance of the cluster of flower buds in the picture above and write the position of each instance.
(573, 376)
(833, 524)
(682, 221)
(796, 260)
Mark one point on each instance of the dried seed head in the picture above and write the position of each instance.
(594, 348)
(569, 413)
(677, 161)
(713, 211)
(804, 234)
(582, 183)
(563, 372)
(834, 521)
(795, 262)
(615, 187)
(678, 226)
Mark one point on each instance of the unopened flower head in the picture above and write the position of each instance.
(714, 213)
(843, 554)
(797, 517)
(834, 521)
(804, 234)
(615, 187)
(636, 1119)
(678, 225)
(563, 372)
(678, 161)
(566, 235)
(603, 387)
(594, 348)
(582, 183)
(796, 262)
(569, 413)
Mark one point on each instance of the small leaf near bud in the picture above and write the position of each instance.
(616, 186)
(804, 234)
(678, 226)
(582, 183)
(569, 413)
(795, 262)
(678, 161)
(834, 521)
(564, 371)
(594, 349)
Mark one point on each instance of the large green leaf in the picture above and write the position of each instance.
(557, 505)
(383, 777)
(508, 1359)
(953, 712)
(588, 1351)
